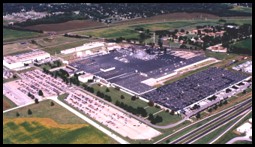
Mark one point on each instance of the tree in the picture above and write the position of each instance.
(151, 103)
(17, 114)
(122, 96)
(150, 117)
(36, 101)
(40, 93)
(107, 90)
(29, 94)
(29, 112)
(198, 115)
(14, 76)
(133, 98)
(182, 30)
(52, 103)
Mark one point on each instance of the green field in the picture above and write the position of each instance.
(219, 56)
(115, 32)
(247, 44)
(7, 104)
(242, 9)
(31, 132)
(9, 35)
(61, 126)
(243, 142)
(58, 48)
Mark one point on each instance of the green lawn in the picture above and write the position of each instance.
(243, 142)
(219, 56)
(247, 44)
(37, 132)
(115, 32)
(7, 104)
(9, 35)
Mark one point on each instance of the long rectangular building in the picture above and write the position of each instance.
(18, 60)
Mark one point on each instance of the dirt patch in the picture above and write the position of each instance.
(69, 25)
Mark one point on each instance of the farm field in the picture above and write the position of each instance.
(9, 34)
(47, 131)
(7, 104)
(53, 124)
(69, 25)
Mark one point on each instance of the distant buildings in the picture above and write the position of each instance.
(245, 67)
(19, 60)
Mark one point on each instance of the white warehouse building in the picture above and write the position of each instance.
(18, 60)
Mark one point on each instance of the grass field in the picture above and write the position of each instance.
(7, 104)
(15, 48)
(9, 35)
(115, 32)
(242, 9)
(49, 124)
(243, 142)
(58, 48)
(247, 44)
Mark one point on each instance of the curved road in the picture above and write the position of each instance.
(243, 138)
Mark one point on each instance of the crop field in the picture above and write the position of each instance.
(69, 25)
(47, 131)
(9, 35)
(7, 104)
(49, 124)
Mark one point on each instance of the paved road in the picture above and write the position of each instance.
(223, 133)
(93, 123)
(221, 112)
(192, 135)
(243, 138)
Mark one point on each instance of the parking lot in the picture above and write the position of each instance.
(31, 82)
(110, 117)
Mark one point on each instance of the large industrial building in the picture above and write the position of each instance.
(88, 47)
(18, 60)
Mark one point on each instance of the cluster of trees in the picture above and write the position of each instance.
(140, 111)
(104, 96)
(89, 89)
(156, 119)
(222, 102)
